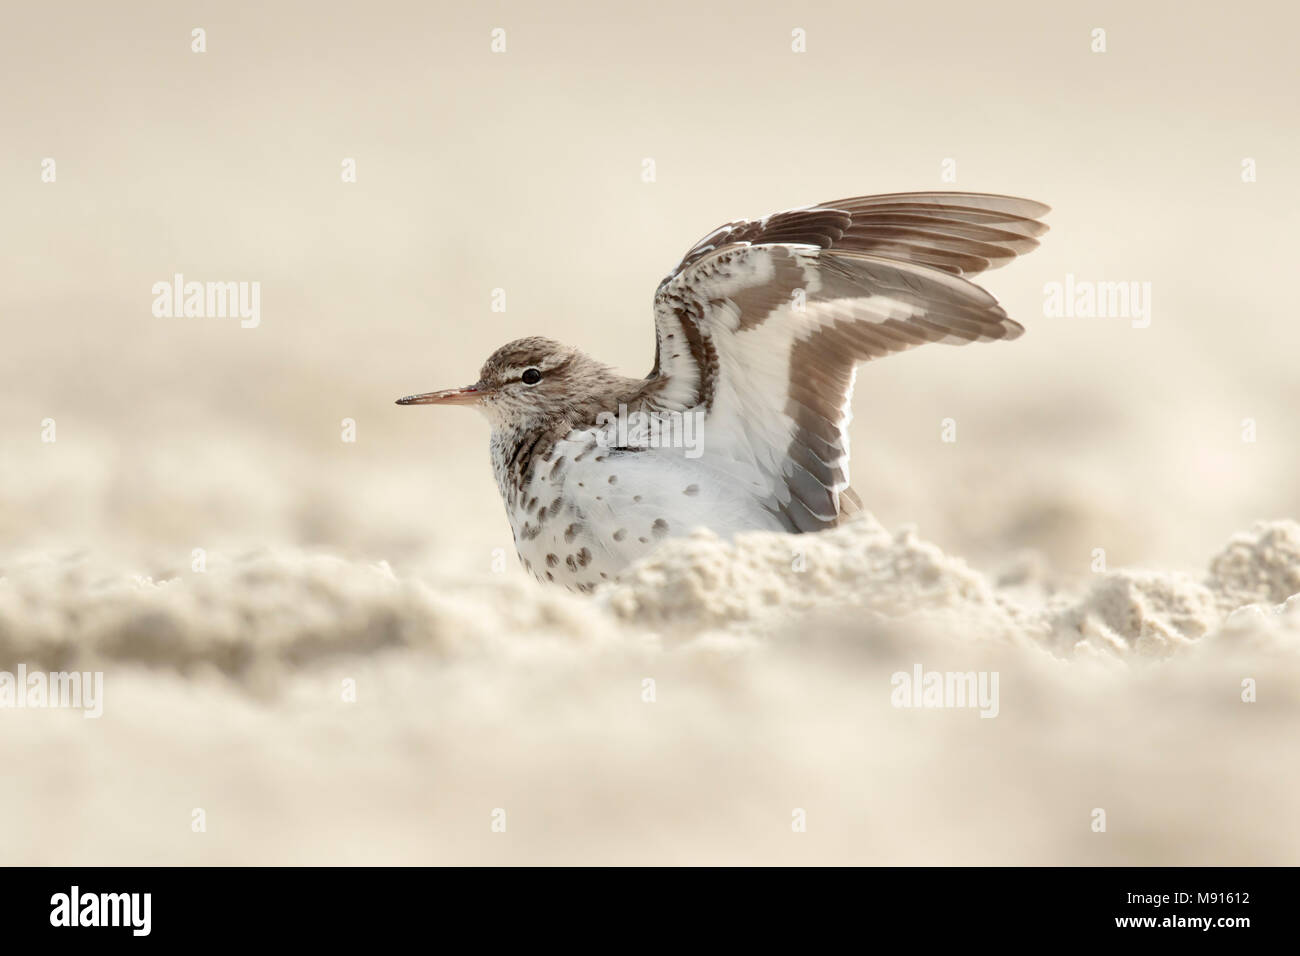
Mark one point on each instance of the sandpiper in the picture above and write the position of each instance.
(742, 424)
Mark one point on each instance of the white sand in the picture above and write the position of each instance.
(772, 687)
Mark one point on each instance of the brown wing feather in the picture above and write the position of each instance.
(961, 233)
(881, 274)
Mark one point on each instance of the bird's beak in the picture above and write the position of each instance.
(469, 395)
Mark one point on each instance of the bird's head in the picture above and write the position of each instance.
(531, 383)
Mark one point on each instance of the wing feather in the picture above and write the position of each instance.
(763, 323)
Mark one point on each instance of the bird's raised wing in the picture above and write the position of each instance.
(762, 324)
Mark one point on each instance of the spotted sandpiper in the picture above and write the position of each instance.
(742, 424)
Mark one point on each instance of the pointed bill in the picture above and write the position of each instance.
(469, 395)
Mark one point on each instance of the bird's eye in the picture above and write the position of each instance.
(531, 376)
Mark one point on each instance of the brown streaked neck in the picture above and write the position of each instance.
(517, 445)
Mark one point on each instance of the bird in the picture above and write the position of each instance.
(742, 423)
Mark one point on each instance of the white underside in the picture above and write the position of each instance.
(621, 521)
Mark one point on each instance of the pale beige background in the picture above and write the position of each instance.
(523, 171)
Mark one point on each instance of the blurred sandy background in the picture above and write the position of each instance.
(522, 171)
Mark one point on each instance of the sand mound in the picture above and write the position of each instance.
(1260, 566)
(247, 616)
(252, 617)
(703, 582)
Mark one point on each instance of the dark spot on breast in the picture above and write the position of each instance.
(552, 560)
(691, 490)
(620, 534)
(636, 498)
(554, 509)
(529, 532)
(571, 532)
(613, 479)
(659, 528)
(584, 557)
(571, 563)
(643, 540)
(550, 576)
(559, 464)
(532, 503)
